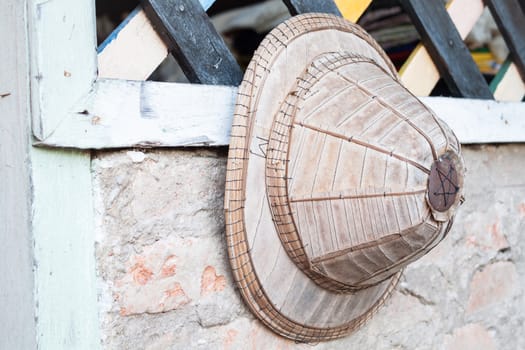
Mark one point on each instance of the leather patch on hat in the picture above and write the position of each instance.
(443, 186)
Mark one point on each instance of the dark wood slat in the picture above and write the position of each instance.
(511, 22)
(449, 53)
(194, 42)
(522, 4)
(303, 6)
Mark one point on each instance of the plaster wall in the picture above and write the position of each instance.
(164, 280)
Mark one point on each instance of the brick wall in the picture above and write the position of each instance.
(164, 280)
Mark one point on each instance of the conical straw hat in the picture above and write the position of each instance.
(337, 178)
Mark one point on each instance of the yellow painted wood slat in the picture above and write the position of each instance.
(135, 53)
(419, 74)
(511, 87)
(352, 9)
(140, 41)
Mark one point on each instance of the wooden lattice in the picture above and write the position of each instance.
(442, 31)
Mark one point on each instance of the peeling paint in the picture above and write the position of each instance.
(211, 282)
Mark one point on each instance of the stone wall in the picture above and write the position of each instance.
(164, 279)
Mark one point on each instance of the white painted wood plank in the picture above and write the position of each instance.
(481, 121)
(63, 68)
(137, 39)
(63, 58)
(121, 113)
(64, 251)
(17, 315)
(48, 299)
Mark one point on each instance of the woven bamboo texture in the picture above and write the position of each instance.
(327, 181)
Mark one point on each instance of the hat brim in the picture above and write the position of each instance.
(273, 287)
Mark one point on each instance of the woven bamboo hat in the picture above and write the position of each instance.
(337, 178)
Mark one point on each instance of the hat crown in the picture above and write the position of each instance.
(343, 151)
(348, 167)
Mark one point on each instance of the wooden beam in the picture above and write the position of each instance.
(352, 10)
(449, 53)
(136, 38)
(511, 22)
(59, 70)
(65, 290)
(47, 256)
(18, 325)
(419, 73)
(64, 250)
(121, 114)
(303, 6)
(198, 48)
(476, 121)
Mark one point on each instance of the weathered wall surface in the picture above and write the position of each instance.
(165, 281)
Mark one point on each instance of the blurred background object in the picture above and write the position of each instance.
(487, 45)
